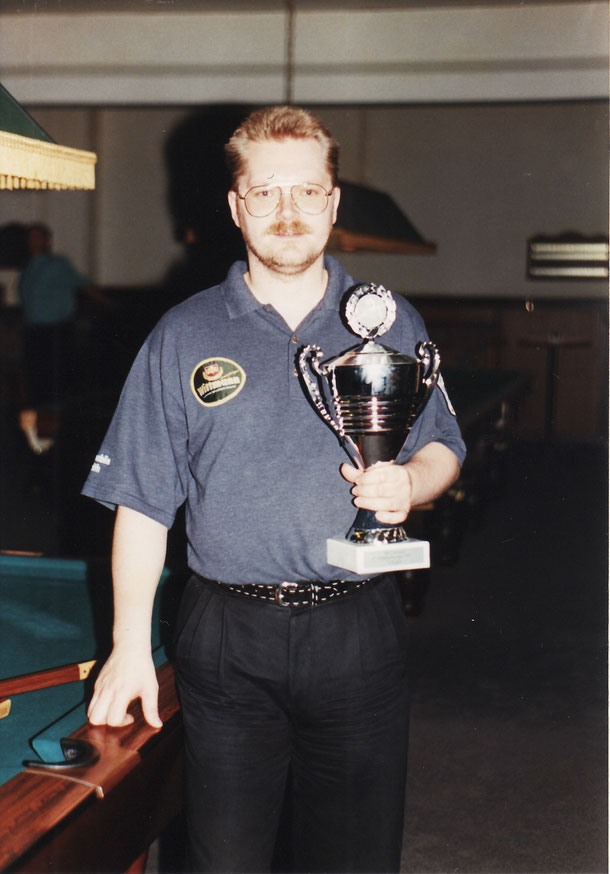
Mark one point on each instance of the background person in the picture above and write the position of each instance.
(48, 293)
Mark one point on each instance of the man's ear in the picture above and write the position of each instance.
(232, 198)
(336, 195)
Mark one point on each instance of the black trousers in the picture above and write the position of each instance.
(318, 694)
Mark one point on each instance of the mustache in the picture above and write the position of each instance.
(294, 227)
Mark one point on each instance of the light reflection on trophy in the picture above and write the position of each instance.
(371, 396)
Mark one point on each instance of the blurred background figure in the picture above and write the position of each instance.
(48, 293)
(198, 181)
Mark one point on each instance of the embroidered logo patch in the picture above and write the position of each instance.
(441, 385)
(216, 380)
(96, 467)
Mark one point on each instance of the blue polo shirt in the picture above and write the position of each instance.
(48, 290)
(213, 413)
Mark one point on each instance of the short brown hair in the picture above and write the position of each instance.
(280, 123)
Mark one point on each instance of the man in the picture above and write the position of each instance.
(48, 293)
(213, 413)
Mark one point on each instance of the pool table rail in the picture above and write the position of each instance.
(103, 817)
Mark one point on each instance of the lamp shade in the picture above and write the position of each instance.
(29, 159)
(370, 220)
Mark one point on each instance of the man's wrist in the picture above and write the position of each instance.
(431, 471)
(410, 485)
(129, 641)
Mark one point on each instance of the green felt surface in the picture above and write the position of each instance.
(50, 615)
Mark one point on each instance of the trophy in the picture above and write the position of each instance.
(371, 396)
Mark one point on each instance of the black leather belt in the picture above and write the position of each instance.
(304, 593)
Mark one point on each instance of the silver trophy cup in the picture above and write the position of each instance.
(371, 396)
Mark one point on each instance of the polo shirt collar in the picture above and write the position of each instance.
(338, 283)
(240, 301)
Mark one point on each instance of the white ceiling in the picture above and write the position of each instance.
(73, 6)
(172, 52)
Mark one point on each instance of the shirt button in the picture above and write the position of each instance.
(295, 339)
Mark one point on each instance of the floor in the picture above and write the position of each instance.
(509, 724)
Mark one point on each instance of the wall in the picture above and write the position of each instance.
(476, 179)
(134, 234)
(119, 234)
(451, 110)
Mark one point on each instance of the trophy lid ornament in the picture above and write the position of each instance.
(370, 311)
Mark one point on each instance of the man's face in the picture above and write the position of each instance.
(287, 241)
(38, 242)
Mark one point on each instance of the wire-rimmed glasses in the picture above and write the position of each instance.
(309, 197)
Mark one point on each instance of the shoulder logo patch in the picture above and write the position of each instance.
(441, 385)
(216, 380)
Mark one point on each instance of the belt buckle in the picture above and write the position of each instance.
(283, 590)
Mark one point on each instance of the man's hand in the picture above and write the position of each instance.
(138, 552)
(390, 490)
(125, 677)
(385, 488)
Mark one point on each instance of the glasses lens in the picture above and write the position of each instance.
(262, 200)
(311, 199)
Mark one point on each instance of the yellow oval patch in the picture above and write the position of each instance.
(215, 381)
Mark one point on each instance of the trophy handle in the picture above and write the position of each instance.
(309, 359)
(428, 355)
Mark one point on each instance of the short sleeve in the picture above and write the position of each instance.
(142, 461)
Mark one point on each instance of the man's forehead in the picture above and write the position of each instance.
(289, 159)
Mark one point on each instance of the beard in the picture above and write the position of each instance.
(285, 258)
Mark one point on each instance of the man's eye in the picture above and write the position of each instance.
(311, 193)
(263, 193)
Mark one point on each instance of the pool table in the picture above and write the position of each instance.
(99, 812)
(486, 403)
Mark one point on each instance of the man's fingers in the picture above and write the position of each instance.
(105, 710)
(384, 488)
(391, 517)
(384, 480)
(121, 719)
(377, 502)
(350, 473)
(123, 679)
(96, 712)
(152, 718)
(375, 473)
(150, 708)
(371, 490)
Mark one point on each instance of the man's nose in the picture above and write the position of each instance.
(286, 205)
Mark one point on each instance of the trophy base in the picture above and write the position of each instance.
(378, 558)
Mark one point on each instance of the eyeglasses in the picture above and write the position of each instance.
(309, 197)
